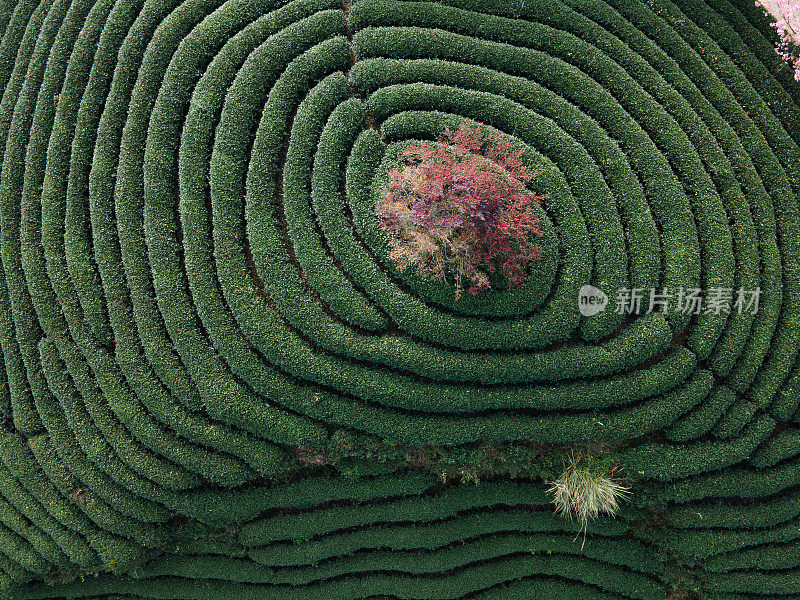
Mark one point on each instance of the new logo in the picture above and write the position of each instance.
(591, 300)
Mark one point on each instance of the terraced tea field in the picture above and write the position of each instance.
(215, 385)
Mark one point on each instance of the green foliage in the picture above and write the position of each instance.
(206, 354)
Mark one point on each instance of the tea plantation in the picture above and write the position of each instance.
(215, 386)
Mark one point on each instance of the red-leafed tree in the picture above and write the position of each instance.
(459, 210)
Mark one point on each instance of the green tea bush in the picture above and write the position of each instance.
(216, 382)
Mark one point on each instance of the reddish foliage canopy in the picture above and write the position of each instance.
(459, 209)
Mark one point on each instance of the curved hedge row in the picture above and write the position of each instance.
(195, 294)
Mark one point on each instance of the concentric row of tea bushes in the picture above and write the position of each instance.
(739, 524)
(743, 419)
(407, 46)
(195, 291)
(483, 537)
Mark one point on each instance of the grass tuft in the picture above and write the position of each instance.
(587, 488)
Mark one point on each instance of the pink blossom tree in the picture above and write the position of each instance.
(787, 24)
